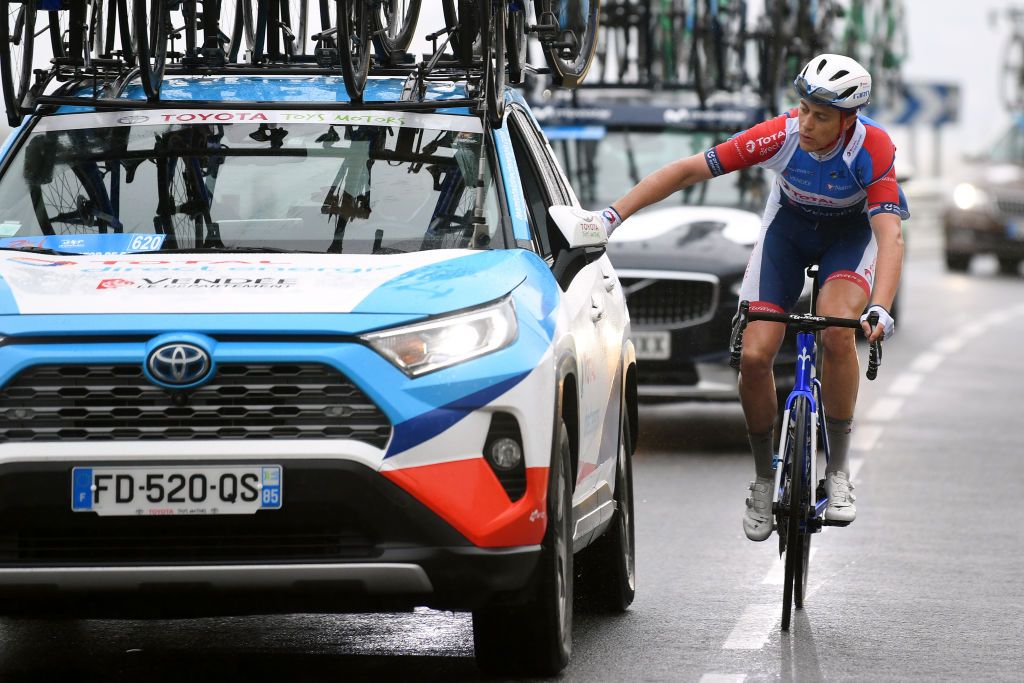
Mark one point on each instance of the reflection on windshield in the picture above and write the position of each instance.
(308, 187)
(603, 170)
(1010, 148)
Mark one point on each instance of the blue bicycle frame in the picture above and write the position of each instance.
(807, 385)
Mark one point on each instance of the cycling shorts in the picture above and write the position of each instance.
(790, 240)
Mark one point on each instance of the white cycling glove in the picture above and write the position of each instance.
(884, 319)
(610, 218)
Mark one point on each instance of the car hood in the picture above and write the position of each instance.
(703, 239)
(413, 285)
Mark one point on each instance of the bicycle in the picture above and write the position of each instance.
(797, 503)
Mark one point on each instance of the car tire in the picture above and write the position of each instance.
(958, 263)
(535, 638)
(1009, 265)
(606, 570)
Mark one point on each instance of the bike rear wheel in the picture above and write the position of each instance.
(571, 42)
(394, 22)
(495, 16)
(152, 25)
(17, 33)
(354, 45)
(463, 17)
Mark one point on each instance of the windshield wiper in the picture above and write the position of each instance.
(41, 250)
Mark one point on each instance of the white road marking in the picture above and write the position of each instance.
(884, 409)
(754, 627)
(723, 678)
(927, 361)
(906, 384)
(865, 437)
(949, 344)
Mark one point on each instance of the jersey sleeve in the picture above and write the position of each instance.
(751, 147)
(878, 175)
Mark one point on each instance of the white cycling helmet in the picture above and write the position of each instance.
(834, 80)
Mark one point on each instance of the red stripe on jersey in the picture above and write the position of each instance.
(850, 276)
(467, 495)
(754, 145)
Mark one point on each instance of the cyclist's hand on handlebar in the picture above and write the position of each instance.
(610, 219)
(886, 327)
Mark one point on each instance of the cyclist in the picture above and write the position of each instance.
(835, 200)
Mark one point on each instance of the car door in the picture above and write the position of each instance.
(588, 309)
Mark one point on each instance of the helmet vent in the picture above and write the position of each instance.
(839, 74)
(821, 65)
(846, 93)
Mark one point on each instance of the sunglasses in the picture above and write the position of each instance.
(816, 93)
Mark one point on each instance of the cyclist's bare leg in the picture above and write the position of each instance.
(761, 342)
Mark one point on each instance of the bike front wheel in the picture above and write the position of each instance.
(17, 33)
(152, 28)
(795, 494)
(394, 22)
(571, 39)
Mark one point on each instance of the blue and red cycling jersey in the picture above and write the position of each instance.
(819, 207)
(858, 174)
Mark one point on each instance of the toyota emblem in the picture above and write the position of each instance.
(179, 364)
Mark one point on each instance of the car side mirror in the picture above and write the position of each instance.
(580, 228)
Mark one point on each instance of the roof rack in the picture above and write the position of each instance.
(104, 52)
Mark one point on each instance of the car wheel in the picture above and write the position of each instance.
(958, 263)
(1008, 265)
(535, 638)
(606, 570)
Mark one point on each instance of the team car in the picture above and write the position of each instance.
(262, 358)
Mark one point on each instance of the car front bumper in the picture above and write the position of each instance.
(347, 539)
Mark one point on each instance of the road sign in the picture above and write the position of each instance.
(923, 104)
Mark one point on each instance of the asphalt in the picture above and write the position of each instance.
(924, 586)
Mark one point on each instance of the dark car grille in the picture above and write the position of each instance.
(117, 402)
(1010, 204)
(653, 301)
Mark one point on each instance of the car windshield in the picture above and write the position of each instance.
(323, 182)
(603, 164)
(1010, 147)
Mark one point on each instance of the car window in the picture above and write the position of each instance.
(540, 182)
(602, 164)
(319, 181)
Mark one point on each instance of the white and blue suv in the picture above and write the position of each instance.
(262, 351)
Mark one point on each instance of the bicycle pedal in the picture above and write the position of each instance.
(832, 522)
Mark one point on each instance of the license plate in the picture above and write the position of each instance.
(652, 345)
(178, 490)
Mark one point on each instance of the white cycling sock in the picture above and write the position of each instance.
(838, 444)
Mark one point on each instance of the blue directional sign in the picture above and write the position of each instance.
(923, 104)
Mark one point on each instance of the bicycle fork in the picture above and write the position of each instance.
(808, 386)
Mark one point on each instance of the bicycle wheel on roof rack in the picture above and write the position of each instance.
(354, 45)
(463, 18)
(393, 24)
(119, 31)
(152, 26)
(494, 15)
(17, 31)
(568, 31)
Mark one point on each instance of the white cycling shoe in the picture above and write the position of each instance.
(757, 519)
(840, 498)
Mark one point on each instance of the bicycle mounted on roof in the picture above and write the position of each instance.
(103, 46)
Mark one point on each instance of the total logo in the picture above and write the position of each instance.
(115, 283)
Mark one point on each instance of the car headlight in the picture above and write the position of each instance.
(967, 196)
(441, 342)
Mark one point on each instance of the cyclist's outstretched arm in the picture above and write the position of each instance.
(662, 183)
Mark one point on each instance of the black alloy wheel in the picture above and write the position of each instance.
(534, 638)
(606, 570)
